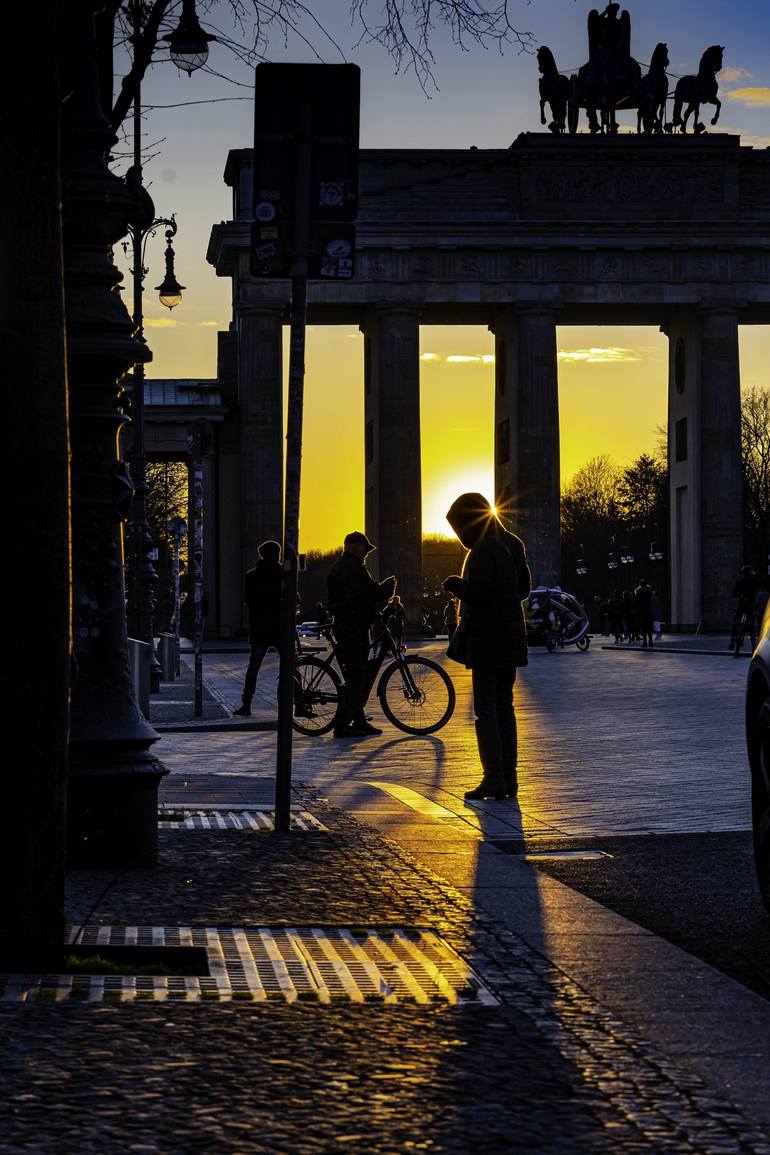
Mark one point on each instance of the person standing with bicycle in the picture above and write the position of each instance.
(745, 590)
(495, 581)
(353, 599)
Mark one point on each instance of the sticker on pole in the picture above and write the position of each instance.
(332, 253)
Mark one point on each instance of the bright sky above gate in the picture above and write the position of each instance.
(612, 381)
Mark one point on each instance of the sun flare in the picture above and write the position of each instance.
(442, 490)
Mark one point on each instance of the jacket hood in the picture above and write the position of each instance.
(471, 517)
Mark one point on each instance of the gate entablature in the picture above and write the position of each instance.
(672, 231)
(622, 221)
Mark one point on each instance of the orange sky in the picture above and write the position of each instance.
(612, 395)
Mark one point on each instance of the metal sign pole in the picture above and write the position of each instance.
(178, 528)
(303, 146)
(195, 441)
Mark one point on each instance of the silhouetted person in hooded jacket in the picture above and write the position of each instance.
(494, 582)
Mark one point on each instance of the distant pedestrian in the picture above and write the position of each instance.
(604, 616)
(262, 595)
(629, 615)
(644, 595)
(615, 611)
(450, 617)
(495, 581)
(746, 590)
(427, 629)
(353, 598)
(397, 621)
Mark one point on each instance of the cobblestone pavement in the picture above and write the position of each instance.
(578, 1057)
(549, 1070)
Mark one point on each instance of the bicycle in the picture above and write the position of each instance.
(415, 694)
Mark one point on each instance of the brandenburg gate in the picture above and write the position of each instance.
(557, 229)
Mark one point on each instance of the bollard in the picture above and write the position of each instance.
(140, 654)
(168, 657)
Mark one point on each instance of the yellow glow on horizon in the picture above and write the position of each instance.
(606, 405)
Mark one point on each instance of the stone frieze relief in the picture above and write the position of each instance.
(645, 184)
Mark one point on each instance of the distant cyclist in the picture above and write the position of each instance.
(745, 590)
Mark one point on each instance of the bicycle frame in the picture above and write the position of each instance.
(383, 646)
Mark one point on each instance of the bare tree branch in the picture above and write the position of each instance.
(404, 28)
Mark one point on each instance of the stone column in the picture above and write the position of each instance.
(505, 329)
(721, 474)
(704, 466)
(260, 395)
(536, 502)
(210, 549)
(392, 453)
(684, 447)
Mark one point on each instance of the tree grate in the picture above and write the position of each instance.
(260, 964)
(177, 818)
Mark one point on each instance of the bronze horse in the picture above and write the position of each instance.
(652, 94)
(694, 91)
(554, 90)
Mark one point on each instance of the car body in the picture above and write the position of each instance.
(309, 629)
(758, 742)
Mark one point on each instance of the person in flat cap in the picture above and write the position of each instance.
(353, 596)
(494, 582)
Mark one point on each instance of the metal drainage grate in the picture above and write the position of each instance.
(564, 855)
(516, 847)
(257, 964)
(178, 819)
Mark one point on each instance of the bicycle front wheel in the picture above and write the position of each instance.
(317, 694)
(416, 695)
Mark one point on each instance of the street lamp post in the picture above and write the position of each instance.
(656, 553)
(142, 577)
(177, 527)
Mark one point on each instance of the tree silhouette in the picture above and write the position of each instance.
(755, 454)
(642, 493)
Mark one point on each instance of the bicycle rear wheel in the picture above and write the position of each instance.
(316, 696)
(416, 695)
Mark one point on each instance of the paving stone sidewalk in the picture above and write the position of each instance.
(547, 1070)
